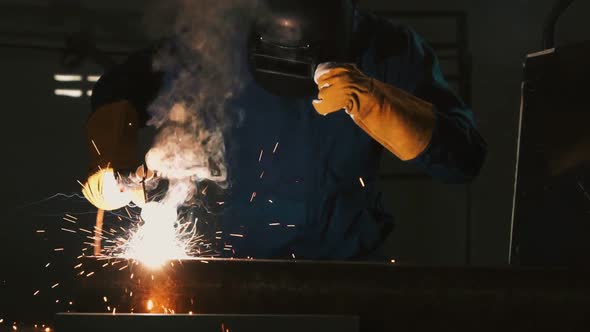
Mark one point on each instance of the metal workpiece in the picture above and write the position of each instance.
(243, 323)
(382, 296)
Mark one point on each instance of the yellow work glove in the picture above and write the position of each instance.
(112, 144)
(402, 123)
(104, 191)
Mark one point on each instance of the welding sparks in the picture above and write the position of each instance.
(260, 157)
(160, 238)
(150, 305)
(57, 284)
(104, 298)
(236, 235)
(36, 292)
(68, 230)
(252, 197)
(276, 147)
(47, 265)
(85, 231)
(362, 182)
(95, 147)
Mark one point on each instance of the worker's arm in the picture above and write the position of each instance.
(431, 128)
(119, 108)
(456, 151)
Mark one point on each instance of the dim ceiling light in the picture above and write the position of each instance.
(68, 93)
(67, 78)
(92, 78)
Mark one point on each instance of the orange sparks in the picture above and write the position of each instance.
(362, 182)
(114, 311)
(85, 230)
(41, 231)
(71, 216)
(68, 230)
(95, 147)
(58, 249)
(82, 184)
(205, 262)
(236, 235)
(14, 327)
(104, 298)
(89, 274)
(69, 220)
(57, 284)
(47, 329)
(131, 276)
(276, 147)
(260, 157)
(124, 267)
(150, 305)
(36, 292)
(252, 197)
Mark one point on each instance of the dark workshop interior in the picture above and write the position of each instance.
(175, 159)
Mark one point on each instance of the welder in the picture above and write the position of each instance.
(335, 87)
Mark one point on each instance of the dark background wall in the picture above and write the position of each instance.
(44, 153)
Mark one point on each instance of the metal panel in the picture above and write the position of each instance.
(552, 200)
(181, 323)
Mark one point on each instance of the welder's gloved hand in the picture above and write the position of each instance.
(397, 120)
(112, 144)
(105, 191)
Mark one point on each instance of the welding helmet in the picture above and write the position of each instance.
(290, 38)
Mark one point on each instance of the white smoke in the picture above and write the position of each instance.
(206, 58)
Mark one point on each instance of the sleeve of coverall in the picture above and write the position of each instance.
(456, 151)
